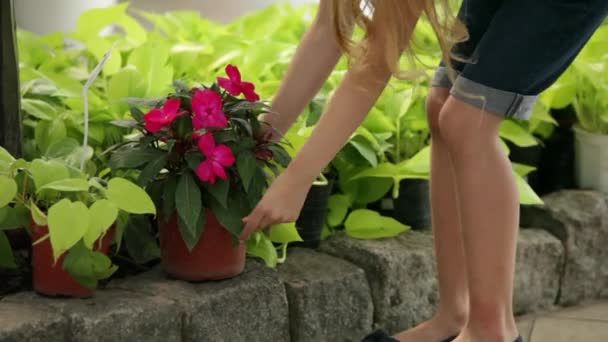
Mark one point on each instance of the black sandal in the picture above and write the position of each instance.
(383, 336)
(379, 336)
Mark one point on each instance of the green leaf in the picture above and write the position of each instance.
(513, 132)
(151, 59)
(231, 216)
(284, 233)
(14, 217)
(126, 83)
(8, 190)
(366, 151)
(189, 206)
(246, 166)
(263, 248)
(37, 215)
(129, 197)
(280, 155)
(522, 169)
(527, 196)
(45, 172)
(420, 163)
(338, 206)
(87, 267)
(131, 157)
(168, 198)
(6, 252)
(103, 215)
(68, 222)
(47, 133)
(219, 191)
(121, 224)
(194, 160)
(140, 242)
(152, 169)
(190, 237)
(39, 109)
(367, 190)
(62, 148)
(67, 185)
(5, 156)
(368, 224)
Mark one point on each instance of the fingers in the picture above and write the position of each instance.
(252, 223)
(261, 218)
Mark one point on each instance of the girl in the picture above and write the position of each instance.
(514, 49)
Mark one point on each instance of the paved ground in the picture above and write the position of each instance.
(588, 323)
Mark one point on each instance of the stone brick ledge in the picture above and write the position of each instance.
(337, 294)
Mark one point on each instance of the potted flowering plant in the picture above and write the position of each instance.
(204, 158)
(72, 219)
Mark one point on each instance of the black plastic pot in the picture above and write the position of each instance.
(556, 167)
(413, 206)
(314, 213)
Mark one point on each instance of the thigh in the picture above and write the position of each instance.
(476, 15)
(530, 43)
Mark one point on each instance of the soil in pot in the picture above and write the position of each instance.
(49, 278)
(413, 206)
(313, 215)
(214, 257)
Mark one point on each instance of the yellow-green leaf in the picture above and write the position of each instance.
(68, 185)
(103, 214)
(129, 197)
(37, 215)
(68, 222)
(8, 190)
(284, 233)
(368, 224)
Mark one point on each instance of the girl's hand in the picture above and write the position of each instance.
(282, 203)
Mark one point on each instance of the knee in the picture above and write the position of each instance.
(434, 103)
(465, 130)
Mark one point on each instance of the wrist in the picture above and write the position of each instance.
(301, 173)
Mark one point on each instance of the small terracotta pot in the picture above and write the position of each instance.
(213, 258)
(49, 278)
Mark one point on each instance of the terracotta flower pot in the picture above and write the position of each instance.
(50, 278)
(213, 258)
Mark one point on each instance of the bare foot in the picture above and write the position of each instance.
(436, 329)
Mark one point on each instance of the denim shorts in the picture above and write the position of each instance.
(516, 49)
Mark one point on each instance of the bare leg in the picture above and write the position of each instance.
(449, 248)
(489, 210)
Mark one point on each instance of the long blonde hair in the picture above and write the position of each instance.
(388, 20)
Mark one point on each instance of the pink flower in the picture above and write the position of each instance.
(157, 118)
(207, 108)
(235, 86)
(218, 157)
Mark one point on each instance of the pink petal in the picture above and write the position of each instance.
(206, 144)
(204, 171)
(204, 100)
(223, 155)
(218, 119)
(154, 127)
(156, 115)
(171, 106)
(211, 99)
(219, 171)
(234, 73)
(198, 105)
(249, 92)
(198, 122)
(230, 87)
